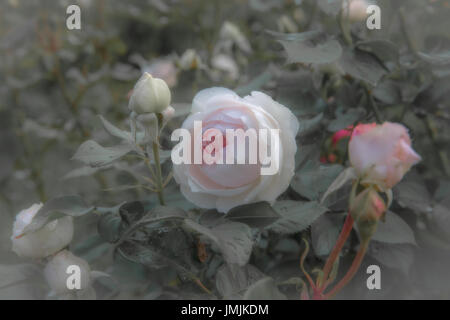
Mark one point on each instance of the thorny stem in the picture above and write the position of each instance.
(202, 286)
(348, 225)
(344, 26)
(373, 104)
(302, 261)
(352, 271)
(159, 180)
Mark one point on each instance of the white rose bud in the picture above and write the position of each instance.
(41, 243)
(67, 273)
(150, 95)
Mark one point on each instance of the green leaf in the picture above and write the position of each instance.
(343, 120)
(264, 289)
(388, 92)
(233, 239)
(313, 181)
(394, 230)
(174, 252)
(310, 125)
(439, 221)
(116, 132)
(17, 273)
(362, 66)
(396, 256)
(437, 59)
(411, 193)
(232, 281)
(325, 232)
(166, 212)
(81, 172)
(131, 212)
(344, 177)
(255, 215)
(94, 155)
(22, 282)
(56, 208)
(309, 47)
(256, 84)
(108, 227)
(295, 215)
(385, 50)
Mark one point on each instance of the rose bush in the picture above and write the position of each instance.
(224, 186)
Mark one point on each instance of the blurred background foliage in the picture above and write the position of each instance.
(55, 82)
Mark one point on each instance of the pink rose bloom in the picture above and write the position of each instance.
(224, 185)
(381, 154)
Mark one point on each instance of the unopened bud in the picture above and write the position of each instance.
(66, 272)
(367, 208)
(150, 95)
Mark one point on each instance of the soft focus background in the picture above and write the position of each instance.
(54, 83)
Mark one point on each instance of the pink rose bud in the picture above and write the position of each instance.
(381, 154)
(367, 209)
(334, 150)
(341, 134)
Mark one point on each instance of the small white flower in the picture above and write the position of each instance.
(46, 241)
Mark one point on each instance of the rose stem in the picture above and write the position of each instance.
(159, 179)
(348, 225)
(352, 271)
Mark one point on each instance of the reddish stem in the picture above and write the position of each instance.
(351, 272)
(345, 232)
